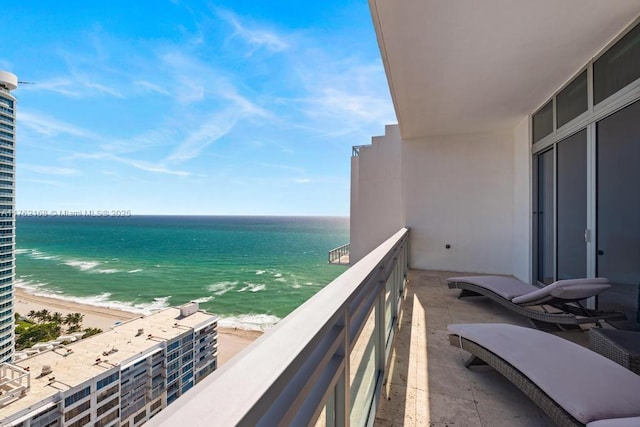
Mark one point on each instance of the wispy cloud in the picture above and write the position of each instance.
(256, 37)
(138, 164)
(73, 87)
(104, 89)
(60, 85)
(214, 128)
(48, 170)
(48, 126)
(151, 87)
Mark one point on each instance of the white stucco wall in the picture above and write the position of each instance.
(458, 190)
(461, 190)
(376, 202)
(522, 208)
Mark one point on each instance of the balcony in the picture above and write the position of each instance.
(370, 349)
(340, 255)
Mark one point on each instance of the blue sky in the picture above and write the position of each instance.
(192, 107)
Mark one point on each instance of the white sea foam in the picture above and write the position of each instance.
(252, 287)
(250, 322)
(36, 254)
(296, 286)
(137, 270)
(101, 300)
(106, 271)
(82, 265)
(28, 285)
(280, 279)
(260, 272)
(222, 288)
(277, 275)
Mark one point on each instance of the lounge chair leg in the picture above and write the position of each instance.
(474, 361)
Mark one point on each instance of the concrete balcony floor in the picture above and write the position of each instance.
(427, 383)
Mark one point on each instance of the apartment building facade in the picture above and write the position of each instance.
(121, 377)
(8, 82)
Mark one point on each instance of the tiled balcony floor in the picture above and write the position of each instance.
(427, 383)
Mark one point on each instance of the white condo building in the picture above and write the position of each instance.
(121, 377)
(8, 82)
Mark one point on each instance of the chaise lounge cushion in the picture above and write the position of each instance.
(587, 385)
(573, 289)
(507, 287)
(522, 293)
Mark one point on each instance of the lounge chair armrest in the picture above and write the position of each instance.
(569, 290)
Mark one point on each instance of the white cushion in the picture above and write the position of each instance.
(506, 287)
(587, 385)
(573, 289)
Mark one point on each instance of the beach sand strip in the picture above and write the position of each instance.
(230, 340)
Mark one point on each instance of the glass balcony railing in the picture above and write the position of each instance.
(321, 365)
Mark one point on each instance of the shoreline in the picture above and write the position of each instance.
(230, 340)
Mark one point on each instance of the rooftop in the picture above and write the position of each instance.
(73, 364)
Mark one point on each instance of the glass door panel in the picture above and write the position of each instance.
(572, 206)
(618, 211)
(545, 269)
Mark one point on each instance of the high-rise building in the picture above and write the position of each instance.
(8, 82)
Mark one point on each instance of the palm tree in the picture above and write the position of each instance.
(73, 320)
(57, 317)
(31, 315)
(43, 315)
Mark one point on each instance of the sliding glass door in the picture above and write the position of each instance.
(545, 251)
(618, 210)
(586, 166)
(561, 210)
(572, 206)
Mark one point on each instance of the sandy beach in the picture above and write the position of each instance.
(230, 341)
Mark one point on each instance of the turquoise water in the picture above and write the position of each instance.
(251, 271)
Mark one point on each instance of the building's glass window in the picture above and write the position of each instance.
(572, 100)
(107, 393)
(618, 66)
(107, 406)
(81, 422)
(77, 410)
(77, 396)
(543, 122)
(155, 405)
(106, 420)
(140, 416)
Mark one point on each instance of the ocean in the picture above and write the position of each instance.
(251, 271)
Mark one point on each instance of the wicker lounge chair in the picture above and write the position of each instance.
(573, 385)
(564, 296)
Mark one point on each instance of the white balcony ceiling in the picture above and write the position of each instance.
(460, 66)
